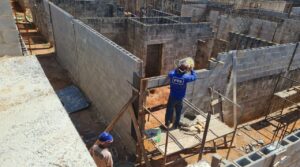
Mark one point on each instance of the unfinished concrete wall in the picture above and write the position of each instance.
(288, 31)
(255, 27)
(158, 13)
(278, 6)
(241, 41)
(94, 8)
(168, 6)
(286, 154)
(9, 35)
(295, 11)
(101, 68)
(196, 11)
(41, 17)
(113, 28)
(219, 46)
(279, 31)
(217, 76)
(257, 73)
(63, 31)
(179, 39)
(203, 53)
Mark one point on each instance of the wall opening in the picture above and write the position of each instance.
(154, 60)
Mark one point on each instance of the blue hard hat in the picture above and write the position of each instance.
(105, 137)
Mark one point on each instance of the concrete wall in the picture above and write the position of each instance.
(171, 34)
(9, 35)
(285, 155)
(64, 34)
(295, 11)
(279, 31)
(100, 67)
(196, 11)
(278, 6)
(113, 28)
(288, 31)
(95, 8)
(257, 73)
(168, 6)
(240, 41)
(41, 17)
(255, 27)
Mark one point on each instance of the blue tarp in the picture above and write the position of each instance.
(72, 99)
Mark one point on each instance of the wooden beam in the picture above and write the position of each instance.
(118, 116)
(139, 137)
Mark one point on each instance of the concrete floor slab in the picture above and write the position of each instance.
(35, 128)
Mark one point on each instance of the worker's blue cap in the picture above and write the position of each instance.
(105, 137)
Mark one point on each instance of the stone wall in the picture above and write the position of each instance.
(101, 68)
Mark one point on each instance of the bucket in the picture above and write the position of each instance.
(155, 134)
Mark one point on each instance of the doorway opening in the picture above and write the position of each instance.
(154, 60)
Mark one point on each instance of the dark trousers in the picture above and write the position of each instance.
(173, 103)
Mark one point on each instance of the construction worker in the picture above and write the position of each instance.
(100, 151)
(178, 82)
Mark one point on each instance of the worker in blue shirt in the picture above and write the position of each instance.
(178, 82)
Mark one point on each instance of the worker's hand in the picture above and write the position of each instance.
(190, 68)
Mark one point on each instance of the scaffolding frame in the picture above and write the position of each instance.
(236, 118)
(207, 115)
(278, 114)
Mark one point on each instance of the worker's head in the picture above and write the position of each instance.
(105, 138)
(185, 65)
(183, 68)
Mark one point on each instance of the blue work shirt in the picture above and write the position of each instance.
(178, 82)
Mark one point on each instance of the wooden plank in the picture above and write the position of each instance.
(172, 148)
(216, 101)
(285, 93)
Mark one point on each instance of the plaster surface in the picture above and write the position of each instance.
(35, 128)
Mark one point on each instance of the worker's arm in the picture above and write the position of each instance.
(191, 77)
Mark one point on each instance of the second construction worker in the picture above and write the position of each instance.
(179, 78)
(100, 151)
